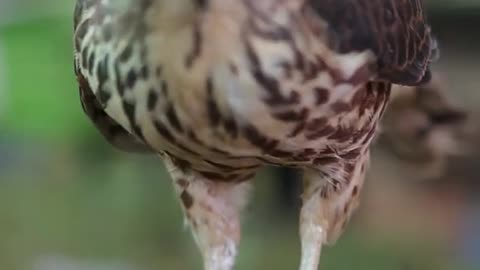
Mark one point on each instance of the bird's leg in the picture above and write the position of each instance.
(212, 210)
(328, 201)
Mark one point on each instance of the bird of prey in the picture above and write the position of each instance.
(221, 88)
(424, 128)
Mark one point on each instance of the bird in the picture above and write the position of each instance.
(424, 128)
(221, 88)
(421, 131)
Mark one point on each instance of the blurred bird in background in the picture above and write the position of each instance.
(422, 133)
(424, 127)
(222, 88)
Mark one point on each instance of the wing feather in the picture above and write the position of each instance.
(395, 30)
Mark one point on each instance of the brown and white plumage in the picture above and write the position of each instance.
(221, 88)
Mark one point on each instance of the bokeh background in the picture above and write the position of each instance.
(68, 201)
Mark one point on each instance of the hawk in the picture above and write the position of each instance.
(424, 128)
(221, 88)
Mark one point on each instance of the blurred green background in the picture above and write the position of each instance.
(68, 201)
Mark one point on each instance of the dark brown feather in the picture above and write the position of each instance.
(395, 30)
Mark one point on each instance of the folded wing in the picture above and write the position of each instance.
(395, 30)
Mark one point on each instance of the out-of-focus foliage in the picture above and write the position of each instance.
(42, 90)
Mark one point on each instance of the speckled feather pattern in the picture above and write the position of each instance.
(270, 99)
(221, 88)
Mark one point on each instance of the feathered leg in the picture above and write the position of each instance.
(328, 202)
(212, 210)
